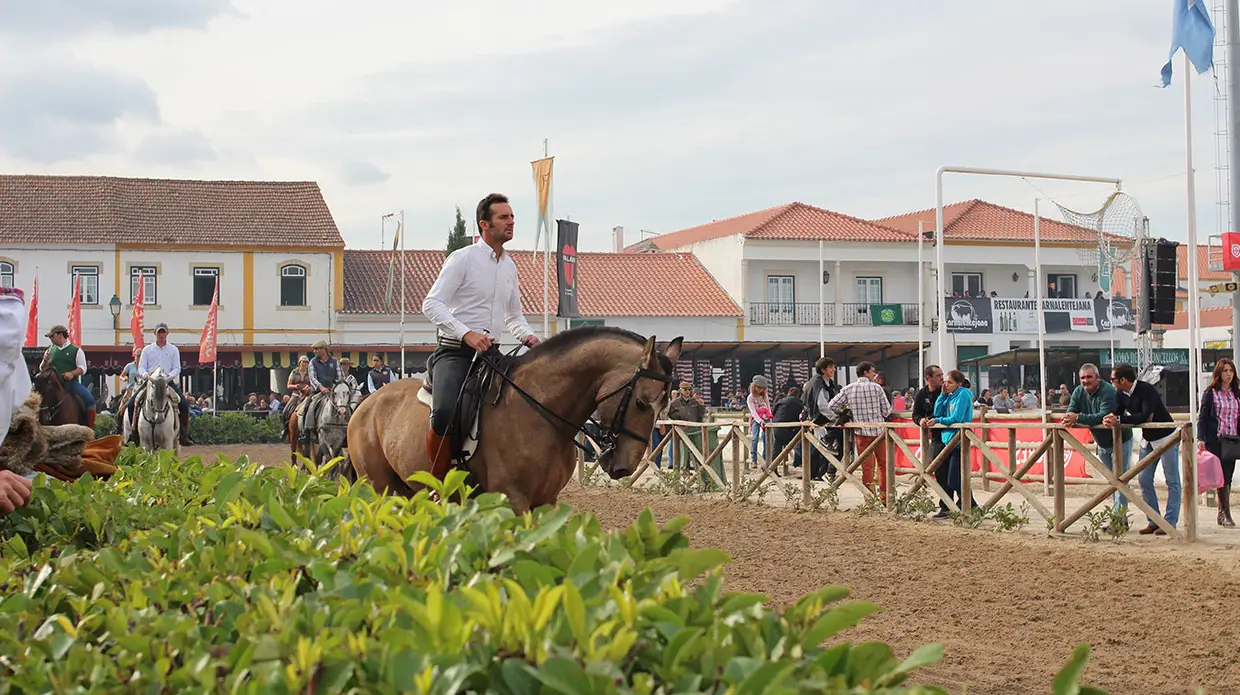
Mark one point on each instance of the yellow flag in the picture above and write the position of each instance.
(542, 182)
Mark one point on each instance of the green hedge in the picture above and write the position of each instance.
(235, 578)
(227, 428)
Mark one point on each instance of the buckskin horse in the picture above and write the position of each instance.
(60, 406)
(529, 416)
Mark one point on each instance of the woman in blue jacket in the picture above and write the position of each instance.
(954, 406)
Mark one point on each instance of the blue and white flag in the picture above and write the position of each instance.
(1191, 30)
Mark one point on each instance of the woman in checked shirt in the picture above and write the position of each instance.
(1220, 417)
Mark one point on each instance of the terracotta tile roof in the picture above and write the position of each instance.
(111, 210)
(611, 284)
(1210, 318)
(1203, 265)
(978, 220)
(791, 221)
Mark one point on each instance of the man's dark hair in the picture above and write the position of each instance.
(823, 363)
(865, 367)
(484, 208)
(1124, 371)
(794, 390)
(929, 371)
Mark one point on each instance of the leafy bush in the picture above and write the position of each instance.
(181, 577)
(235, 428)
(104, 424)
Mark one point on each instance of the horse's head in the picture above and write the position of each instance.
(47, 382)
(632, 397)
(341, 398)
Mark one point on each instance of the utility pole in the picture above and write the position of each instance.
(1232, 20)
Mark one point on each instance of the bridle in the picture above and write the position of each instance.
(51, 410)
(608, 436)
(148, 407)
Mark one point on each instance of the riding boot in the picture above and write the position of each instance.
(185, 440)
(1224, 507)
(438, 453)
(90, 419)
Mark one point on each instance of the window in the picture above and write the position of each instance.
(869, 290)
(90, 282)
(204, 285)
(967, 285)
(293, 285)
(6, 274)
(781, 297)
(145, 275)
(1061, 286)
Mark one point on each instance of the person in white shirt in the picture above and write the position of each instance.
(475, 296)
(14, 388)
(161, 353)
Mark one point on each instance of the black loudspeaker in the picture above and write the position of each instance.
(1159, 260)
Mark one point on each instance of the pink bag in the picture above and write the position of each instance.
(1209, 472)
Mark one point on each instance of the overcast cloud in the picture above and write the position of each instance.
(661, 115)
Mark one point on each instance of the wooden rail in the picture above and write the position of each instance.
(1002, 475)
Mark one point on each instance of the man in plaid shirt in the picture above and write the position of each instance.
(868, 402)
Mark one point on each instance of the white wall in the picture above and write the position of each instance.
(376, 330)
(722, 258)
(174, 293)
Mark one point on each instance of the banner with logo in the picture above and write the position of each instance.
(32, 321)
(75, 312)
(566, 265)
(1027, 432)
(998, 315)
(969, 315)
(210, 332)
(886, 314)
(137, 317)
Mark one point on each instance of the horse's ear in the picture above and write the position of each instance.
(648, 354)
(674, 348)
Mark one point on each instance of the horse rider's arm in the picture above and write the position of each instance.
(314, 380)
(80, 362)
(144, 362)
(175, 371)
(435, 304)
(514, 319)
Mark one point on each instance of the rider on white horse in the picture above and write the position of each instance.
(324, 371)
(161, 353)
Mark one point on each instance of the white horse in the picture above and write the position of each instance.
(158, 424)
(331, 418)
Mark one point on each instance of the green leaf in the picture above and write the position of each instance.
(867, 663)
(575, 613)
(739, 602)
(676, 647)
(565, 676)
(1067, 681)
(691, 564)
(334, 678)
(929, 654)
(279, 514)
(519, 677)
(835, 621)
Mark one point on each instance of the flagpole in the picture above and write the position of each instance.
(1194, 354)
(547, 255)
(401, 232)
(921, 304)
(822, 304)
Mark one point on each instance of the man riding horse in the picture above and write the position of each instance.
(476, 287)
(324, 371)
(69, 361)
(161, 353)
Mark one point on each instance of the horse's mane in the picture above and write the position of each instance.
(567, 340)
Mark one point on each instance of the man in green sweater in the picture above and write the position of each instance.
(69, 361)
(1092, 401)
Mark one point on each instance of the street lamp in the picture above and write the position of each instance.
(115, 307)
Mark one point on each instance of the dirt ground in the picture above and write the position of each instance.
(1009, 608)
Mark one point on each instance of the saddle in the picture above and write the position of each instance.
(482, 383)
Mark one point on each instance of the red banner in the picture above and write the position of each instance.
(1026, 432)
(206, 346)
(32, 324)
(138, 317)
(75, 312)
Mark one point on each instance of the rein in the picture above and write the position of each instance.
(609, 435)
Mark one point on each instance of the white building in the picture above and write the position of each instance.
(769, 263)
(273, 246)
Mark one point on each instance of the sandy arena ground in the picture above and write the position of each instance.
(1008, 607)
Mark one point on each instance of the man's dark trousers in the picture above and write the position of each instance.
(449, 365)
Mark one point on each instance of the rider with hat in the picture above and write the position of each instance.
(69, 361)
(324, 371)
(161, 353)
(474, 297)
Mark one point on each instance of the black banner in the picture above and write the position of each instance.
(969, 315)
(566, 267)
(1002, 315)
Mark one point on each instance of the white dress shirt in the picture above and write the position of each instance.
(168, 357)
(14, 379)
(476, 291)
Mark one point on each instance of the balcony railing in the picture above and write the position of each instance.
(806, 314)
(789, 314)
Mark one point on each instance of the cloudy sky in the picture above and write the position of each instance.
(662, 114)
